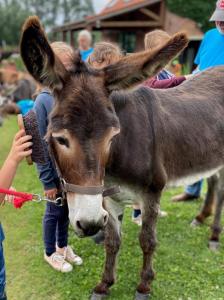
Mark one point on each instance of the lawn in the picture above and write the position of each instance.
(185, 267)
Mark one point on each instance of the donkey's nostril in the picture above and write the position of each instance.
(105, 219)
(78, 223)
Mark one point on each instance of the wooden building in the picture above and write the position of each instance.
(126, 22)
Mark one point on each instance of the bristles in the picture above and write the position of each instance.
(31, 128)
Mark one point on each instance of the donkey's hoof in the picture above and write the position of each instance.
(213, 245)
(195, 223)
(98, 296)
(139, 296)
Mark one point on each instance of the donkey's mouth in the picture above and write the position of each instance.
(88, 231)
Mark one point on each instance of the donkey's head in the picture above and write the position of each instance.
(83, 122)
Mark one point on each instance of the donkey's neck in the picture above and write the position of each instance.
(135, 110)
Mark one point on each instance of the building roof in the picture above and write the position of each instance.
(114, 6)
(118, 7)
(172, 24)
(175, 23)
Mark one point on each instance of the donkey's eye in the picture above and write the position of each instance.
(62, 141)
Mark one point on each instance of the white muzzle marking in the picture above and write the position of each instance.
(86, 208)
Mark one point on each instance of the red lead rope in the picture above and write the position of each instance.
(19, 198)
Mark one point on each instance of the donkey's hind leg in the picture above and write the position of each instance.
(216, 226)
(112, 244)
(147, 240)
(209, 203)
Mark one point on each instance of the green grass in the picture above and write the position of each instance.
(185, 268)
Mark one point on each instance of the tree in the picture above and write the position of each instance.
(12, 18)
(76, 9)
(53, 12)
(199, 10)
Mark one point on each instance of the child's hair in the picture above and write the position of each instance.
(155, 38)
(105, 53)
(86, 34)
(64, 52)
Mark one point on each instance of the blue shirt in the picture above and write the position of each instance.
(25, 105)
(164, 74)
(211, 51)
(2, 237)
(43, 105)
(86, 53)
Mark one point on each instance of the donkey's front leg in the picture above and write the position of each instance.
(147, 240)
(112, 246)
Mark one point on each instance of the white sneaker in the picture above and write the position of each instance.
(58, 262)
(137, 220)
(70, 256)
(162, 214)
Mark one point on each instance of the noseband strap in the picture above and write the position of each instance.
(90, 190)
(82, 190)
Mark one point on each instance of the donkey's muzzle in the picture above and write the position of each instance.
(91, 228)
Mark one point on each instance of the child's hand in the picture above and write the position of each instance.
(51, 194)
(20, 147)
(10, 198)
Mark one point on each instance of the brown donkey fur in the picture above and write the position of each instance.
(146, 139)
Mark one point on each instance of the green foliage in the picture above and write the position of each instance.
(11, 20)
(186, 269)
(14, 12)
(199, 10)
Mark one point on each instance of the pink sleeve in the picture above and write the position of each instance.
(164, 84)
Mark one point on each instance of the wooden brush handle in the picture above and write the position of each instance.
(21, 126)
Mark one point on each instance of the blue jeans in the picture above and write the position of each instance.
(55, 227)
(2, 267)
(194, 189)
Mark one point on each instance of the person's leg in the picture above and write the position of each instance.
(194, 189)
(191, 192)
(52, 257)
(49, 229)
(136, 211)
(62, 226)
(2, 274)
(62, 236)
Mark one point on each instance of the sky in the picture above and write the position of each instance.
(99, 4)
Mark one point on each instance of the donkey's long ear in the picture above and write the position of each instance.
(135, 68)
(38, 56)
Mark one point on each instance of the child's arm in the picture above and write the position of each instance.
(165, 83)
(47, 173)
(18, 151)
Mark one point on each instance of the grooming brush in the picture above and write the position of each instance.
(30, 125)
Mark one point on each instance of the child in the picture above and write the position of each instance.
(55, 223)
(164, 79)
(104, 54)
(84, 44)
(19, 150)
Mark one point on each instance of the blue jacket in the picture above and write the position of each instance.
(2, 237)
(47, 172)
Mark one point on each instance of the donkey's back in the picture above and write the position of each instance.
(190, 127)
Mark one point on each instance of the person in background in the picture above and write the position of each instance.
(58, 254)
(210, 54)
(18, 151)
(104, 54)
(152, 40)
(84, 44)
(164, 79)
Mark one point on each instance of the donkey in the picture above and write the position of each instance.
(145, 139)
